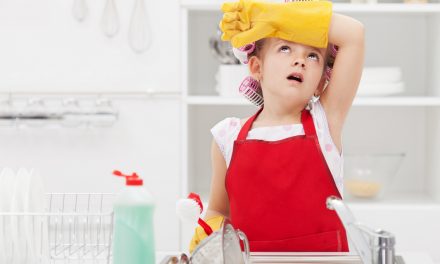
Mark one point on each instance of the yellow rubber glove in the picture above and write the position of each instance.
(215, 223)
(305, 22)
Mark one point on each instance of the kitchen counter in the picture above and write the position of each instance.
(408, 257)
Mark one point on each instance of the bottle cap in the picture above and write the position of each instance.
(134, 181)
(130, 180)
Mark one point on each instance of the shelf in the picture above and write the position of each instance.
(337, 7)
(359, 101)
(387, 8)
(397, 101)
(216, 100)
(404, 200)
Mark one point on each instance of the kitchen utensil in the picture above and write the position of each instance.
(369, 175)
(222, 247)
(222, 50)
(190, 209)
(110, 19)
(71, 113)
(79, 10)
(139, 35)
(5, 113)
(184, 259)
(75, 228)
(170, 260)
(105, 114)
(35, 113)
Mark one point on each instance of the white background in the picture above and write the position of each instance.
(45, 51)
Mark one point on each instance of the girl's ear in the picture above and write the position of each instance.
(255, 67)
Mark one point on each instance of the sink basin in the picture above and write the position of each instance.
(312, 257)
(300, 257)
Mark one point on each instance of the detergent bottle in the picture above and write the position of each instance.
(133, 223)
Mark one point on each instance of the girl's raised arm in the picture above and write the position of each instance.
(348, 34)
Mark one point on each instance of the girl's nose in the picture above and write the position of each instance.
(300, 62)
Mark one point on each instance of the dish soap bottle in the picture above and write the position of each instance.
(133, 223)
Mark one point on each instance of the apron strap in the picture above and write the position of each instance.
(307, 121)
(247, 126)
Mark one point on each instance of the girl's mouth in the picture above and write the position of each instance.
(296, 76)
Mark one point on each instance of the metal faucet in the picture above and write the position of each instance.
(373, 246)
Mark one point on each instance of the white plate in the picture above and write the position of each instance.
(380, 89)
(19, 224)
(35, 227)
(2, 240)
(6, 196)
(381, 75)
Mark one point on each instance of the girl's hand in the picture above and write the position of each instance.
(215, 223)
(305, 22)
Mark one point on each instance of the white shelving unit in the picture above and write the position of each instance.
(402, 35)
(359, 101)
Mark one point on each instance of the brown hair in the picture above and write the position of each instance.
(329, 59)
(259, 44)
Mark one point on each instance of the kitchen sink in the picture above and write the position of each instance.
(334, 258)
(289, 257)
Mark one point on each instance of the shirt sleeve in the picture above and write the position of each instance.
(224, 133)
(322, 128)
(331, 153)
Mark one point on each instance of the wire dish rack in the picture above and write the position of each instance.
(75, 228)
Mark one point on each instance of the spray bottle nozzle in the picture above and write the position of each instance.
(119, 173)
(132, 179)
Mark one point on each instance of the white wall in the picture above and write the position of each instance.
(45, 51)
(82, 159)
(43, 48)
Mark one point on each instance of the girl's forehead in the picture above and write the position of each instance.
(277, 41)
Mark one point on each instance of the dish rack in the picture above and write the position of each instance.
(75, 228)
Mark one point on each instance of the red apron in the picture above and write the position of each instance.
(277, 192)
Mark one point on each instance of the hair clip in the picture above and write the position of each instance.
(242, 53)
(250, 88)
(334, 50)
(249, 48)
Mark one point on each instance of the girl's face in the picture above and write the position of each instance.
(289, 72)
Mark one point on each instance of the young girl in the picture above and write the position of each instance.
(273, 172)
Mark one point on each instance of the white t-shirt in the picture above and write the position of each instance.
(226, 132)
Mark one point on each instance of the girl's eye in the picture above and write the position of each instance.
(313, 56)
(284, 48)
